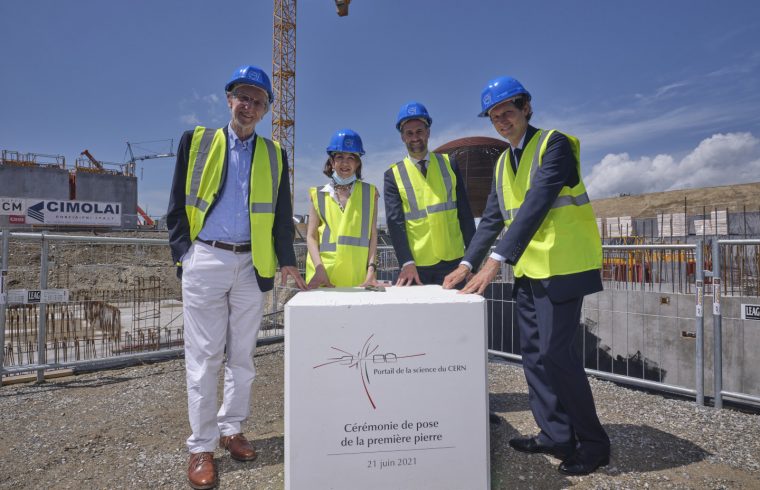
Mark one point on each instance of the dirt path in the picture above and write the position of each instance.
(126, 429)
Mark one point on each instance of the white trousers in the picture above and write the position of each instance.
(222, 306)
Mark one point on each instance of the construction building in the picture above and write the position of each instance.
(39, 191)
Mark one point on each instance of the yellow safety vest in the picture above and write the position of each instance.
(344, 235)
(567, 240)
(430, 210)
(208, 150)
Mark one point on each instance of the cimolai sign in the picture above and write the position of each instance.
(60, 212)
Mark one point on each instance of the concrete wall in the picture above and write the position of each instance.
(640, 334)
(53, 183)
(106, 187)
(651, 336)
(32, 182)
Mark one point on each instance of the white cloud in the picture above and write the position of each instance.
(721, 159)
(205, 110)
(669, 88)
(190, 119)
(677, 107)
(663, 91)
(601, 131)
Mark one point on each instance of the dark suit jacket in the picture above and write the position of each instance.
(283, 230)
(394, 215)
(558, 169)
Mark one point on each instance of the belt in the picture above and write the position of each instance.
(237, 248)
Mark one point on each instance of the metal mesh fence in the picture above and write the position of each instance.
(125, 301)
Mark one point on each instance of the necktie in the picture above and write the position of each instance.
(516, 154)
(423, 167)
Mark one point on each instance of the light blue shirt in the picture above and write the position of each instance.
(229, 220)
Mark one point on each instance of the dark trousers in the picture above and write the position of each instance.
(558, 390)
(435, 274)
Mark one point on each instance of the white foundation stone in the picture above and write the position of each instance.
(386, 390)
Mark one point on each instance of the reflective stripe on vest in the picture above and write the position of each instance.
(268, 207)
(200, 164)
(266, 172)
(429, 204)
(415, 211)
(508, 215)
(208, 151)
(567, 240)
(360, 241)
(344, 256)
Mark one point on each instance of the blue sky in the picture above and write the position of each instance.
(663, 94)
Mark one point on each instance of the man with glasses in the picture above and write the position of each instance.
(230, 225)
(426, 207)
(553, 244)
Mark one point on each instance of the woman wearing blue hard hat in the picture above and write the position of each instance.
(342, 233)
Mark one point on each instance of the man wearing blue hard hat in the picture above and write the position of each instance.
(230, 227)
(553, 244)
(426, 207)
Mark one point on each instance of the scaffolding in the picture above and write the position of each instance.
(17, 159)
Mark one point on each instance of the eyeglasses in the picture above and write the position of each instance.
(250, 101)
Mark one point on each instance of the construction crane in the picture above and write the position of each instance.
(97, 164)
(342, 6)
(132, 164)
(284, 77)
(88, 163)
(92, 159)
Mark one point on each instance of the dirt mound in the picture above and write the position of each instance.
(734, 198)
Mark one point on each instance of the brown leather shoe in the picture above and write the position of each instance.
(238, 446)
(201, 472)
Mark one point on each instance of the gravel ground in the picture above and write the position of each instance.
(126, 429)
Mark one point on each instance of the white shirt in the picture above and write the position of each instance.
(328, 188)
(416, 161)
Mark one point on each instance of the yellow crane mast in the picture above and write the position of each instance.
(284, 77)
(284, 80)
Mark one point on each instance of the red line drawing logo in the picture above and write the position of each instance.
(366, 355)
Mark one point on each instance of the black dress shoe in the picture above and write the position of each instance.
(533, 445)
(579, 464)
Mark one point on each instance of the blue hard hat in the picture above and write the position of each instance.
(346, 140)
(412, 110)
(497, 91)
(251, 75)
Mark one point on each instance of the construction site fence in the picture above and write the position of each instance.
(647, 327)
(669, 319)
(699, 223)
(123, 304)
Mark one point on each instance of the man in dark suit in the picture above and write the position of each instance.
(553, 244)
(230, 224)
(426, 207)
